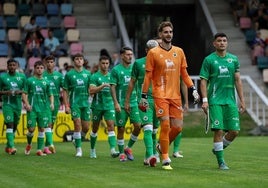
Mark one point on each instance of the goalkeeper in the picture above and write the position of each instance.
(165, 64)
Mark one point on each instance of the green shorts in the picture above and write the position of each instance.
(122, 117)
(41, 118)
(106, 114)
(149, 117)
(224, 117)
(11, 115)
(81, 112)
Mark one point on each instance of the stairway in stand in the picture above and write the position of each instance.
(221, 14)
(95, 28)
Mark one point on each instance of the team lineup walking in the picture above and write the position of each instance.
(150, 92)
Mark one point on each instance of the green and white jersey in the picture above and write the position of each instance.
(103, 99)
(12, 82)
(77, 84)
(220, 73)
(138, 73)
(120, 76)
(56, 82)
(39, 91)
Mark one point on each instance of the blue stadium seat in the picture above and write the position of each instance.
(4, 49)
(250, 35)
(52, 9)
(3, 35)
(22, 62)
(66, 9)
(41, 21)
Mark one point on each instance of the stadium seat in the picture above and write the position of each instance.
(24, 9)
(38, 9)
(9, 9)
(2, 35)
(69, 22)
(76, 47)
(41, 21)
(262, 62)
(31, 62)
(250, 35)
(265, 75)
(14, 35)
(4, 49)
(21, 61)
(24, 20)
(44, 32)
(264, 34)
(60, 34)
(55, 22)
(3, 64)
(73, 35)
(12, 22)
(245, 22)
(52, 9)
(63, 60)
(1, 22)
(66, 9)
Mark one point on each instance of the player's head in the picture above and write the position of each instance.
(50, 63)
(78, 60)
(151, 44)
(104, 63)
(126, 54)
(220, 42)
(165, 31)
(39, 68)
(12, 65)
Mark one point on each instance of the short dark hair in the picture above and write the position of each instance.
(39, 63)
(77, 55)
(124, 49)
(49, 57)
(219, 35)
(103, 57)
(12, 60)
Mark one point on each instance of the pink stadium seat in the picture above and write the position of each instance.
(245, 23)
(31, 62)
(44, 32)
(3, 64)
(75, 48)
(69, 22)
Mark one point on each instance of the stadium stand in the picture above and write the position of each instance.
(9, 9)
(14, 35)
(52, 9)
(66, 9)
(2, 35)
(4, 50)
(3, 64)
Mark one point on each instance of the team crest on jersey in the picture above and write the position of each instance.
(44, 83)
(160, 111)
(8, 117)
(55, 77)
(174, 54)
(19, 78)
(84, 75)
(229, 60)
(145, 118)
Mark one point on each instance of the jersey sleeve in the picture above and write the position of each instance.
(204, 72)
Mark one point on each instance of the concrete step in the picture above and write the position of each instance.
(96, 34)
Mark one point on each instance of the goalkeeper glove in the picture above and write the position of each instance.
(195, 95)
(143, 104)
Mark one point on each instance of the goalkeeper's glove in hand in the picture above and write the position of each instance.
(195, 95)
(143, 104)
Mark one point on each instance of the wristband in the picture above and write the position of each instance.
(205, 99)
(144, 95)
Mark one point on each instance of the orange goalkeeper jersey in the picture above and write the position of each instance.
(167, 66)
